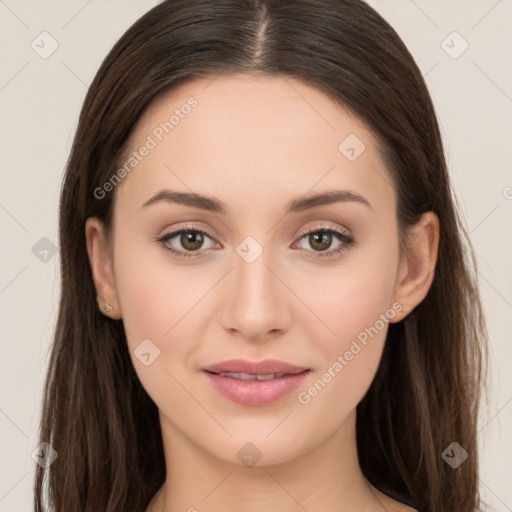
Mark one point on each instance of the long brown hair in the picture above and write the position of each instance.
(425, 395)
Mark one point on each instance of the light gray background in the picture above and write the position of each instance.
(40, 100)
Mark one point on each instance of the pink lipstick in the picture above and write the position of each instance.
(255, 383)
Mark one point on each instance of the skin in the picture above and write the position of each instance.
(255, 143)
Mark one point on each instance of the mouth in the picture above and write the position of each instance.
(255, 383)
(265, 367)
(252, 376)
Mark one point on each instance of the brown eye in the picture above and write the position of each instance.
(191, 240)
(185, 243)
(320, 240)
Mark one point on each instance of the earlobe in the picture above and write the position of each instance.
(417, 268)
(100, 261)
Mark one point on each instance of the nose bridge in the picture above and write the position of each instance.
(255, 305)
(254, 284)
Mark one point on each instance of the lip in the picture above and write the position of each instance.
(257, 368)
(255, 392)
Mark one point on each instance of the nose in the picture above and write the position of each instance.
(257, 304)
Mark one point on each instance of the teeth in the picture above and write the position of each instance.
(269, 376)
(251, 376)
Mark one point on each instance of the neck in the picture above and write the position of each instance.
(327, 478)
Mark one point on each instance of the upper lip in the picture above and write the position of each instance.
(265, 367)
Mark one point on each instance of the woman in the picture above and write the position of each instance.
(268, 298)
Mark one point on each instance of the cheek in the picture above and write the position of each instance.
(355, 304)
(158, 302)
(350, 357)
(154, 294)
(352, 295)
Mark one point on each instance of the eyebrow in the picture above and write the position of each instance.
(297, 205)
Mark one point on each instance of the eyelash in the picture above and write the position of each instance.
(347, 242)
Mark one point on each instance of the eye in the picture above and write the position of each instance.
(190, 239)
(321, 238)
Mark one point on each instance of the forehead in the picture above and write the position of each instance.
(276, 106)
(248, 131)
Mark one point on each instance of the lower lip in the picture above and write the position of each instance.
(256, 392)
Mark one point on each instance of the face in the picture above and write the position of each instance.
(266, 267)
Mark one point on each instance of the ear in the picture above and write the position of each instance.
(416, 268)
(100, 259)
